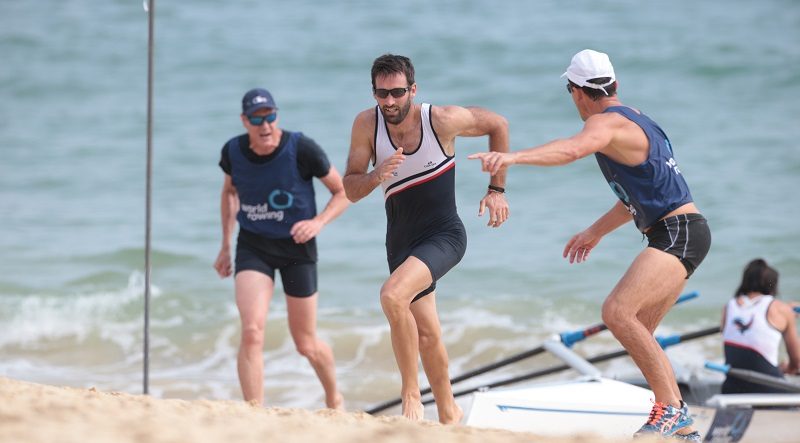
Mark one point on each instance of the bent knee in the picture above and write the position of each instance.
(394, 299)
(309, 348)
(615, 315)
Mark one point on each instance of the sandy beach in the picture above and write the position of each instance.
(39, 413)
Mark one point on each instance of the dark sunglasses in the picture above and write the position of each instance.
(258, 121)
(396, 92)
(570, 87)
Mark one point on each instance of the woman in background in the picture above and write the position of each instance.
(753, 324)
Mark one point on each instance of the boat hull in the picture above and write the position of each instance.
(591, 406)
(615, 410)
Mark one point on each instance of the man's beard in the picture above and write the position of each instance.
(401, 115)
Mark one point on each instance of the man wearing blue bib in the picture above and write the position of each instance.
(268, 191)
(636, 159)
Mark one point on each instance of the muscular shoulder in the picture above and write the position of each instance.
(448, 117)
(450, 121)
(365, 121)
(362, 139)
(617, 137)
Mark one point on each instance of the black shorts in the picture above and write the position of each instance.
(440, 253)
(298, 274)
(685, 236)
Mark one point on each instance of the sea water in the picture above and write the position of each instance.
(722, 78)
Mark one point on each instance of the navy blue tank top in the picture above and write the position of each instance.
(653, 188)
(272, 195)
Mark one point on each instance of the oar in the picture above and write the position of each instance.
(490, 367)
(664, 342)
(568, 338)
(671, 340)
(796, 309)
(754, 377)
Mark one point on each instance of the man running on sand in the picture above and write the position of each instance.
(412, 149)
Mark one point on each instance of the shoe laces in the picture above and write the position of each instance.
(656, 413)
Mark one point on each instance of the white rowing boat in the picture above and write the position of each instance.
(614, 409)
(590, 405)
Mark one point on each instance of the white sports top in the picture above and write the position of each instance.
(746, 326)
(423, 164)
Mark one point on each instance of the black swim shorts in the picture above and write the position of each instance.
(440, 252)
(298, 273)
(685, 236)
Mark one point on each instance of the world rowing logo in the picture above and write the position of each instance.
(280, 199)
(741, 325)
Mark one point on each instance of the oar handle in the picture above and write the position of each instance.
(671, 340)
(570, 338)
(668, 341)
(755, 377)
(688, 296)
(719, 367)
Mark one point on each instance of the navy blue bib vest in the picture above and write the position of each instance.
(653, 188)
(272, 195)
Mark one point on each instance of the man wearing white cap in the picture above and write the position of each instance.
(636, 159)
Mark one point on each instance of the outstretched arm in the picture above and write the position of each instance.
(596, 134)
(582, 243)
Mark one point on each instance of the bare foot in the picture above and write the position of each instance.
(337, 403)
(413, 410)
(454, 418)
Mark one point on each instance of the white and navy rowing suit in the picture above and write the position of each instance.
(751, 342)
(421, 215)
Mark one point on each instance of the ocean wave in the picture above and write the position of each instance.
(95, 339)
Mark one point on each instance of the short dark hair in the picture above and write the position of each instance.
(758, 277)
(390, 64)
(597, 94)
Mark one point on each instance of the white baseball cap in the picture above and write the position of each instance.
(588, 65)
